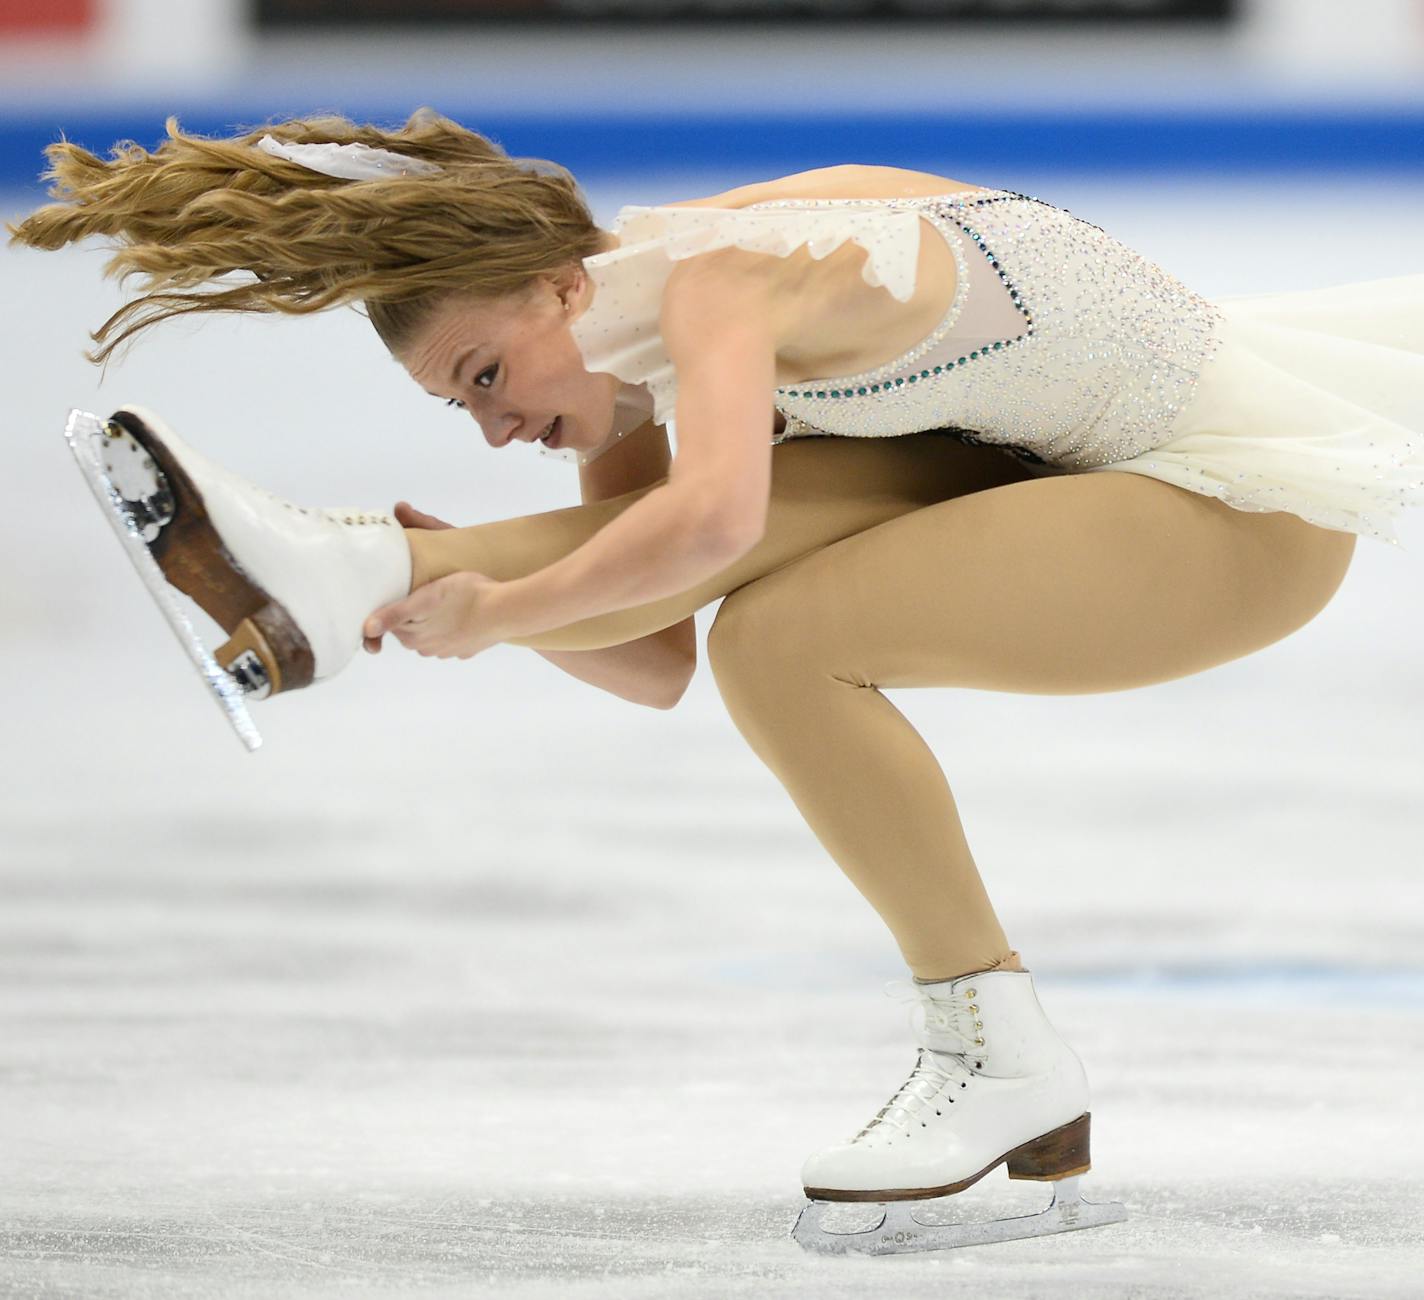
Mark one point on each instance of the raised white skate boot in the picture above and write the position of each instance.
(290, 585)
(994, 1084)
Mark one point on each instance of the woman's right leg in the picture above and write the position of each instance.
(822, 489)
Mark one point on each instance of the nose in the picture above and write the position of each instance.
(498, 431)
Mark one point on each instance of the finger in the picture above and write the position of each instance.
(412, 635)
(382, 621)
(417, 604)
(408, 516)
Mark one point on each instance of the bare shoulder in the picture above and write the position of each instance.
(717, 291)
(738, 277)
(843, 181)
(817, 314)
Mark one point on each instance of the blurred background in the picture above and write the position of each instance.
(476, 980)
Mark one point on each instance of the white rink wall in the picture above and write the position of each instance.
(1310, 50)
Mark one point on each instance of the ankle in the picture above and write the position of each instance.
(420, 569)
(1011, 962)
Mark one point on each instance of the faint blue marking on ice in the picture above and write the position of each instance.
(1266, 982)
(1262, 981)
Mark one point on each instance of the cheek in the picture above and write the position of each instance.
(568, 381)
(551, 368)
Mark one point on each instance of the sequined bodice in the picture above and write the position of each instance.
(1061, 344)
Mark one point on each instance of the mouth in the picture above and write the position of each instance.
(550, 436)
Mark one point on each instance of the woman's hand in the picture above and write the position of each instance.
(452, 617)
(443, 618)
(407, 516)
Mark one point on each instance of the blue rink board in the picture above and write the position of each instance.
(1251, 141)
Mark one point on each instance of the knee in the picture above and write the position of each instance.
(740, 635)
(751, 648)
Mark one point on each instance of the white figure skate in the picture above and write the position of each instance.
(993, 1085)
(290, 585)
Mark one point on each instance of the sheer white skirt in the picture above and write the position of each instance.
(1313, 403)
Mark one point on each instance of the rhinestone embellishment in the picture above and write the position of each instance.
(854, 385)
(1108, 350)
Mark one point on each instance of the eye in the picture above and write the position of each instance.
(455, 401)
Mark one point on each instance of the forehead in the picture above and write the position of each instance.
(458, 323)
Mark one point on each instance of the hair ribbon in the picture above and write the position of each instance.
(349, 162)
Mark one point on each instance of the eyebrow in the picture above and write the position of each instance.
(460, 362)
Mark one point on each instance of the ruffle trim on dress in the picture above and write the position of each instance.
(1364, 482)
(618, 334)
(1295, 413)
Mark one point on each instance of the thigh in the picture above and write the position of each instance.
(1062, 585)
(822, 490)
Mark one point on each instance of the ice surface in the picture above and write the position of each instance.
(476, 981)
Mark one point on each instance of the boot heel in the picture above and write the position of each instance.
(267, 654)
(1058, 1154)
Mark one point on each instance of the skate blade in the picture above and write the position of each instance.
(897, 1231)
(86, 437)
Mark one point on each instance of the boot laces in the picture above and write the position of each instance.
(935, 1070)
(352, 515)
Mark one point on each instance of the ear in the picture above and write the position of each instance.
(569, 284)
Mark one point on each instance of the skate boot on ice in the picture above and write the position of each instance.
(994, 1085)
(290, 585)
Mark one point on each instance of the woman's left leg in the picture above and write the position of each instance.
(1063, 585)
(822, 489)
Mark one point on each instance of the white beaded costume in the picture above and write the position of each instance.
(1072, 352)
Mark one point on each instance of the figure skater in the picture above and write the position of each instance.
(928, 434)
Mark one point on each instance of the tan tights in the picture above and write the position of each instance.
(921, 561)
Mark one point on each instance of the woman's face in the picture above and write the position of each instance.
(514, 366)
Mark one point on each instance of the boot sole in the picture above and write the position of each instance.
(193, 559)
(1060, 1153)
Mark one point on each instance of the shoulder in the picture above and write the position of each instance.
(731, 270)
(718, 293)
(797, 185)
(840, 181)
(730, 257)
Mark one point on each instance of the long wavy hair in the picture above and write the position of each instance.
(197, 211)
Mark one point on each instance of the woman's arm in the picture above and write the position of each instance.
(712, 508)
(655, 669)
(708, 512)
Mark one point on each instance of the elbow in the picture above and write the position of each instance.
(677, 688)
(732, 539)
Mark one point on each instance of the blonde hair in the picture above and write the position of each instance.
(197, 209)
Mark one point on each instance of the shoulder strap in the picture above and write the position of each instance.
(889, 235)
(618, 333)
